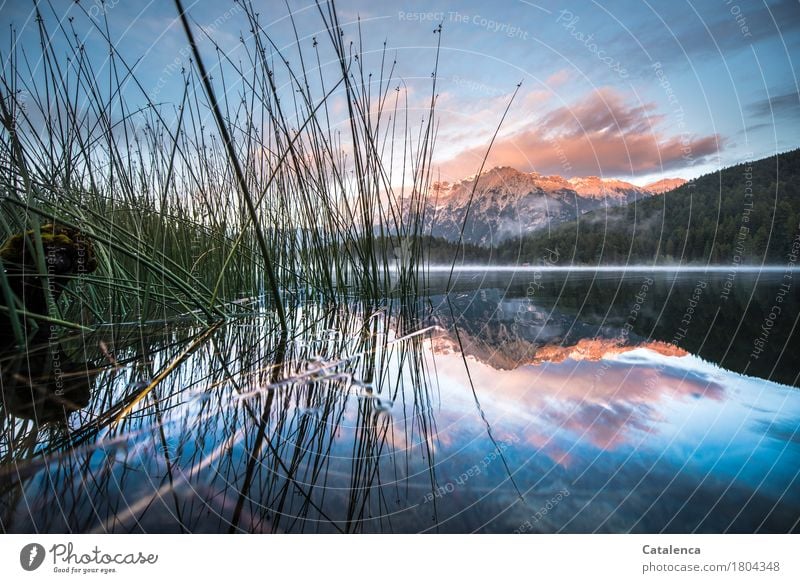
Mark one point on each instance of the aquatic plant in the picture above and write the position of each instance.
(307, 195)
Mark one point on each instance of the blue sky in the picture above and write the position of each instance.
(631, 90)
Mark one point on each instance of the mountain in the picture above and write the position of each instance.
(506, 326)
(748, 213)
(614, 192)
(509, 332)
(664, 185)
(508, 203)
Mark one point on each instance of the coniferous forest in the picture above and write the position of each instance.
(744, 214)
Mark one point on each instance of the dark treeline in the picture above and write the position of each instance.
(748, 214)
(434, 250)
(732, 327)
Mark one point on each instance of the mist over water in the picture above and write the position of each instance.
(616, 268)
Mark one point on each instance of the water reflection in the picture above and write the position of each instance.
(45, 385)
(487, 411)
(720, 319)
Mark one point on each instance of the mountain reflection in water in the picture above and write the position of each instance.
(557, 404)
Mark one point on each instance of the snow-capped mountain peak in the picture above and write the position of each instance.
(507, 203)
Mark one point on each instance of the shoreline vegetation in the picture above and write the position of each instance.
(84, 146)
(286, 161)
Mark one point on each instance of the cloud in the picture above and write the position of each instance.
(558, 78)
(718, 30)
(785, 105)
(602, 404)
(601, 134)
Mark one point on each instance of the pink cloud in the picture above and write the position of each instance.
(558, 78)
(605, 405)
(602, 134)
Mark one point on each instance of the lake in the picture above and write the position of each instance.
(523, 401)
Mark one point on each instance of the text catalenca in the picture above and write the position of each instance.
(670, 550)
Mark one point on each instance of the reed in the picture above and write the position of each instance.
(234, 417)
(316, 206)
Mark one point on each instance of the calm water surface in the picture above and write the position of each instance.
(528, 402)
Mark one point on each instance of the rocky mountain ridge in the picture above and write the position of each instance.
(508, 203)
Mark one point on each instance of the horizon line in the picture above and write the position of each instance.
(617, 268)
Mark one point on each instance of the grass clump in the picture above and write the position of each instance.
(279, 199)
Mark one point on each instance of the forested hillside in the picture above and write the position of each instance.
(748, 213)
